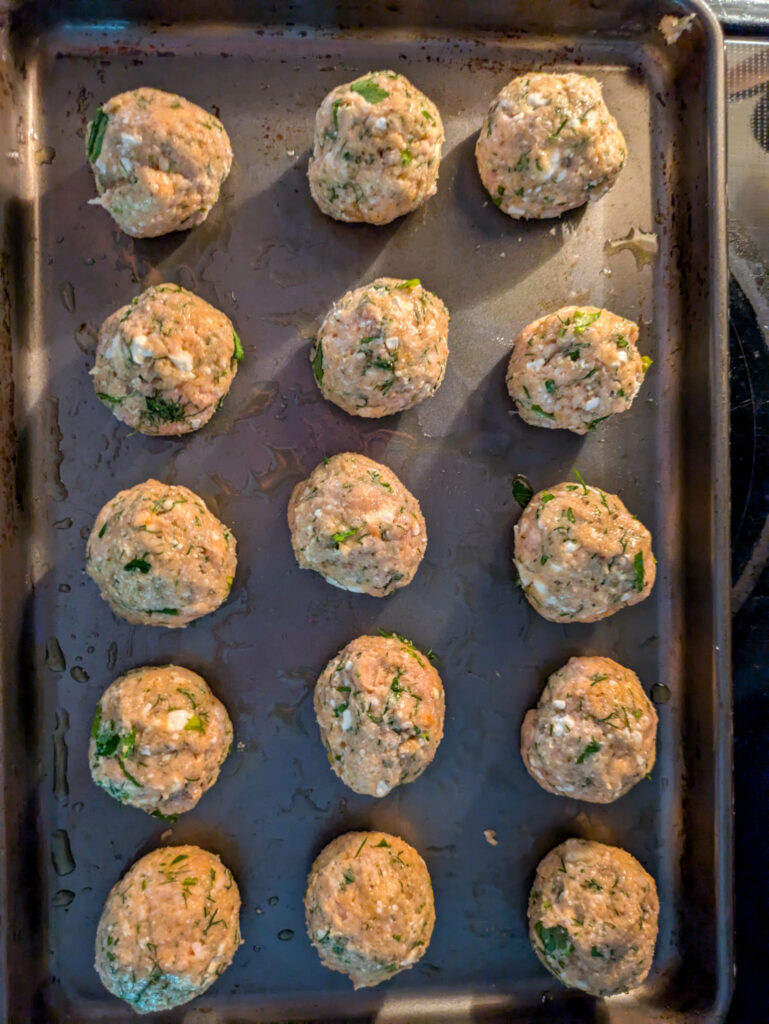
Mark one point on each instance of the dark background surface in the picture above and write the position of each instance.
(747, 26)
(749, 380)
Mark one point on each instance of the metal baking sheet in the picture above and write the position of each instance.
(273, 263)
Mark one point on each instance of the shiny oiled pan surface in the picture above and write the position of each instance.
(273, 263)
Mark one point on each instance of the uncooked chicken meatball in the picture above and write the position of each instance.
(593, 917)
(369, 906)
(158, 161)
(382, 348)
(380, 707)
(159, 556)
(354, 522)
(166, 361)
(169, 929)
(158, 739)
(592, 736)
(581, 555)
(549, 144)
(574, 368)
(376, 151)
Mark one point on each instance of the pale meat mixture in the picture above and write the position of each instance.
(592, 736)
(574, 368)
(169, 929)
(354, 522)
(158, 739)
(376, 151)
(380, 708)
(581, 555)
(593, 917)
(382, 348)
(549, 144)
(369, 906)
(165, 362)
(158, 161)
(159, 556)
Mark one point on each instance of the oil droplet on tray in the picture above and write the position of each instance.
(79, 674)
(644, 246)
(67, 294)
(54, 656)
(62, 898)
(286, 935)
(660, 693)
(61, 853)
(60, 756)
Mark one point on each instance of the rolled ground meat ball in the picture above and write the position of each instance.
(581, 555)
(158, 161)
(369, 906)
(169, 929)
(593, 917)
(574, 368)
(592, 736)
(166, 361)
(382, 348)
(380, 707)
(376, 151)
(549, 144)
(159, 556)
(158, 740)
(354, 522)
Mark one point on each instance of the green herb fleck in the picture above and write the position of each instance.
(138, 565)
(541, 412)
(411, 283)
(638, 565)
(343, 535)
(317, 362)
(556, 941)
(522, 491)
(164, 410)
(582, 321)
(110, 400)
(238, 350)
(560, 128)
(646, 362)
(195, 724)
(592, 748)
(578, 475)
(369, 90)
(550, 386)
(96, 135)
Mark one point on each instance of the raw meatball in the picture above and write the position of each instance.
(380, 706)
(369, 906)
(575, 367)
(354, 522)
(382, 348)
(169, 929)
(376, 151)
(158, 161)
(581, 555)
(593, 734)
(549, 144)
(158, 740)
(166, 361)
(593, 917)
(159, 556)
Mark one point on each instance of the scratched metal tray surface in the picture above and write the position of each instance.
(272, 262)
